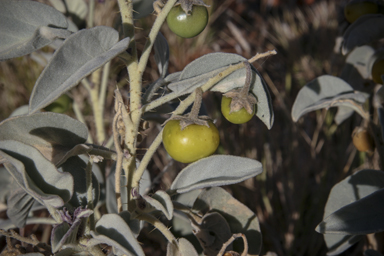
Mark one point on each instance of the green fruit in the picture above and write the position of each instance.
(61, 105)
(353, 11)
(378, 71)
(185, 25)
(238, 117)
(192, 143)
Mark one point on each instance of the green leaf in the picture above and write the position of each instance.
(365, 30)
(51, 133)
(35, 174)
(349, 190)
(79, 55)
(111, 229)
(199, 71)
(217, 170)
(325, 92)
(27, 26)
(239, 217)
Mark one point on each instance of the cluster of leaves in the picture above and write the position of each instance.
(48, 162)
(354, 205)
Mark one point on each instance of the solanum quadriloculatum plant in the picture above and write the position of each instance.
(354, 206)
(55, 164)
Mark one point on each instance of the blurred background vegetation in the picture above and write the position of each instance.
(302, 161)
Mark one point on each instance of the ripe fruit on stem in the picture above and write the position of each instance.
(238, 106)
(189, 138)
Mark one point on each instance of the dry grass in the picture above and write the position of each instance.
(302, 161)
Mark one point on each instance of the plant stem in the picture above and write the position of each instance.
(88, 180)
(179, 110)
(119, 160)
(248, 77)
(91, 13)
(196, 104)
(153, 34)
(158, 225)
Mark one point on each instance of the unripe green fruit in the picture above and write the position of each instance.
(187, 26)
(238, 117)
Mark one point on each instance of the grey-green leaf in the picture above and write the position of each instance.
(7, 185)
(27, 26)
(111, 229)
(371, 252)
(161, 54)
(161, 201)
(349, 190)
(185, 248)
(79, 55)
(359, 218)
(19, 204)
(76, 167)
(217, 170)
(325, 92)
(142, 8)
(239, 217)
(212, 233)
(366, 29)
(35, 174)
(51, 133)
(199, 71)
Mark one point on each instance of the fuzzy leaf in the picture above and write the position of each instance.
(161, 54)
(24, 29)
(212, 233)
(111, 204)
(357, 62)
(161, 201)
(185, 248)
(325, 92)
(19, 204)
(76, 167)
(371, 252)
(7, 185)
(359, 218)
(79, 55)
(35, 174)
(197, 73)
(51, 133)
(349, 190)
(239, 217)
(217, 170)
(66, 233)
(365, 30)
(111, 229)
